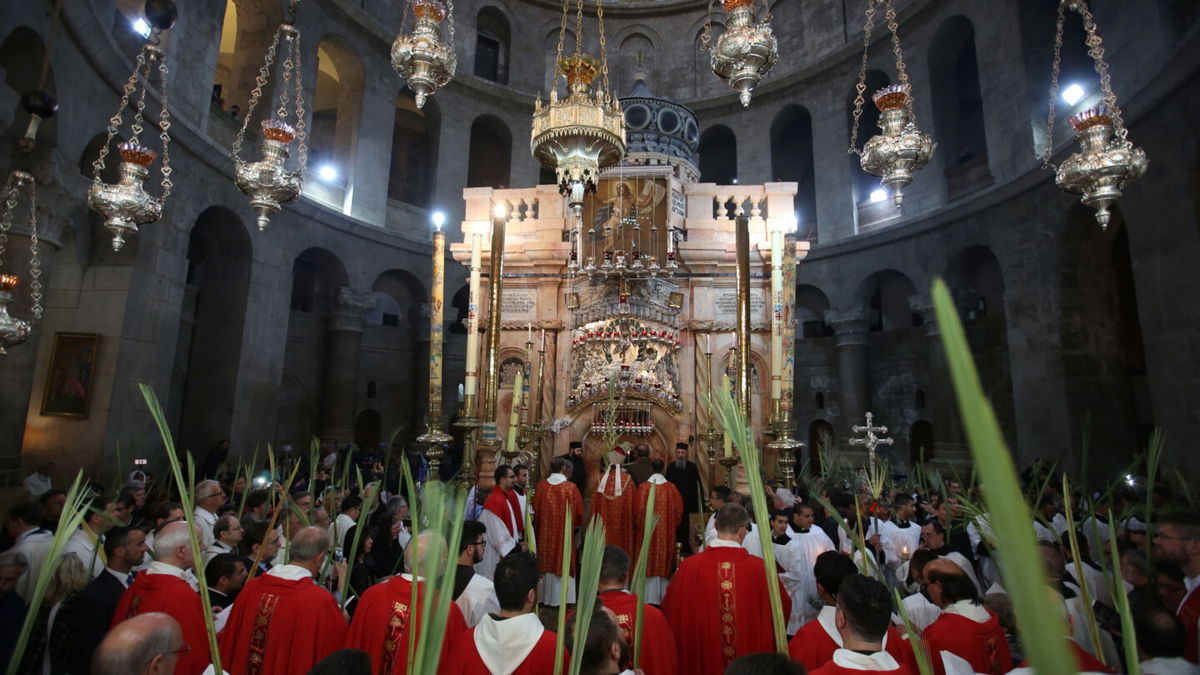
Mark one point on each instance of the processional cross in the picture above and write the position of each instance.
(871, 441)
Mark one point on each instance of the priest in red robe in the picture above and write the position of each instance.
(668, 506)
(386, 615)
(282, 622)
(503, 519)
(513, 642)
(965, 628)
(862, 619)
(717, 603)
(818, 640)
(1178, 541)
(550, 501)
(659, 655)
(613, 502)
(166, 586)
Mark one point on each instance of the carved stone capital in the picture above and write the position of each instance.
(921, 304)
(350, 307)
(850, 325)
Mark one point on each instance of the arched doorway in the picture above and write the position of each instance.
(920, 443)
(368, 429)
(718, 156)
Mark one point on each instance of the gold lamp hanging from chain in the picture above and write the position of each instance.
(746, 50)
(126, 204)
(20, 187)
(269, 183)
(1106, 161)
(900, 149)
(583, 133)
(426, 61)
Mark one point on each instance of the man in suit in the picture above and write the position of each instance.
(91, 614)
(225, 575)
(258, 536)
(685, 476)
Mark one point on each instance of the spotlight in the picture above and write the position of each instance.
(500, 210)
(141, 27)
(1129, 479)
(438, 218)
(735, 181)
(327, 173)
(878, 195)
(1072, 94)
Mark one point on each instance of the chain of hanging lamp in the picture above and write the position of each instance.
(126, 204)
(746, 50)
(900, 149)
(1106, 161)
(269, 182)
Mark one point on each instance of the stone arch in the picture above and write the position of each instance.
(21, 55)
(884, 297)
(976, 279)
(811, 305)
(493, 32)
(490, 155)
(792, 160)
(395, 347)
(211, 325)
(414, 150)
(246, 30)
(1036, 24)
(317, 275)
(718, 155)
(405, 290)
(636, 57)
(863, 183)
(702, 66)
(337, 109)
(958, 107)
(550, 49)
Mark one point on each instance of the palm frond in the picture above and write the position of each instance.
(589, 581)
(639, 575)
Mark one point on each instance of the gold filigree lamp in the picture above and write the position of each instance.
(1106, 161)
(900, 149)
(422, 57)
(20, 187)
(746, 49)
(126, 204)
(584, 133)
(269, 183)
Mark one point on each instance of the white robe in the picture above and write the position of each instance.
(34, 545)
(477, 600)
(499, 541)
(751, 543)
(339, 528)
(81, 545)
(894, 540)
(921, 612)
(797, 558)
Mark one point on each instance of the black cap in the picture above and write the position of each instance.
(681, 445)
(576, 444)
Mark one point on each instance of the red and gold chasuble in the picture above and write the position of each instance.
(1189, 614)
(668, 506)
(174, 597)
(615, 506)
(280, 625)
(550, 503)
(659, 655)
(384, 618)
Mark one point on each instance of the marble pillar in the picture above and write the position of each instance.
(850, 326)
(341, 364)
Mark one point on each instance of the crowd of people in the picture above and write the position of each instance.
(316, 573)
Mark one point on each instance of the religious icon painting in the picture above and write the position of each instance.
(68, 387)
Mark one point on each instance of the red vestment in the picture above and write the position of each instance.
(280, 626)
(616, 510)
(550, 503)
(1085, 662)
(382, 621)
(668, 506)
(1189, 614)
(464, 657)
(175, 598)
(717, 607)
(983, 645)
(853, 668)
(659, 656)
(495, 503)
(813, 645)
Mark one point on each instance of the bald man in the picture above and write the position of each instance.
(167, 586)
(965, 628)
(147, 644)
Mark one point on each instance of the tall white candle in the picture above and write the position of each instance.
(777, 313)
(472, 379)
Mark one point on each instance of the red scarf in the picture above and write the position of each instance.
(496, 503)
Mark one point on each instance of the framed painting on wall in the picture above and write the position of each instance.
(68, 389)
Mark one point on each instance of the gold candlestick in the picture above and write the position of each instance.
(491, 369)
(434, 436)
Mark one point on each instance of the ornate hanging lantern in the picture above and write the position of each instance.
(1106, 161)
(422, 58)
(126, 204)
(746, 49)
(19, 187)
(585, 132)
(901, 149)
(268, 182)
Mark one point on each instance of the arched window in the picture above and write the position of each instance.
(337, 107)
(958, 107)
(490, 155)
(885, 295)
(21, 56)
(413, 151)
(865, 186)
(718, 156)
(1036, 20)
(491, 45)
(637, 58)
(245, 36)
(792, 160)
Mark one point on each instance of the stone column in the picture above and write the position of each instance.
(854, 390)
(940, 408)
(341, 364)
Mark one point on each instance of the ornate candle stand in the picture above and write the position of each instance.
(784, 445)
(730, 462)
(469, 423)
